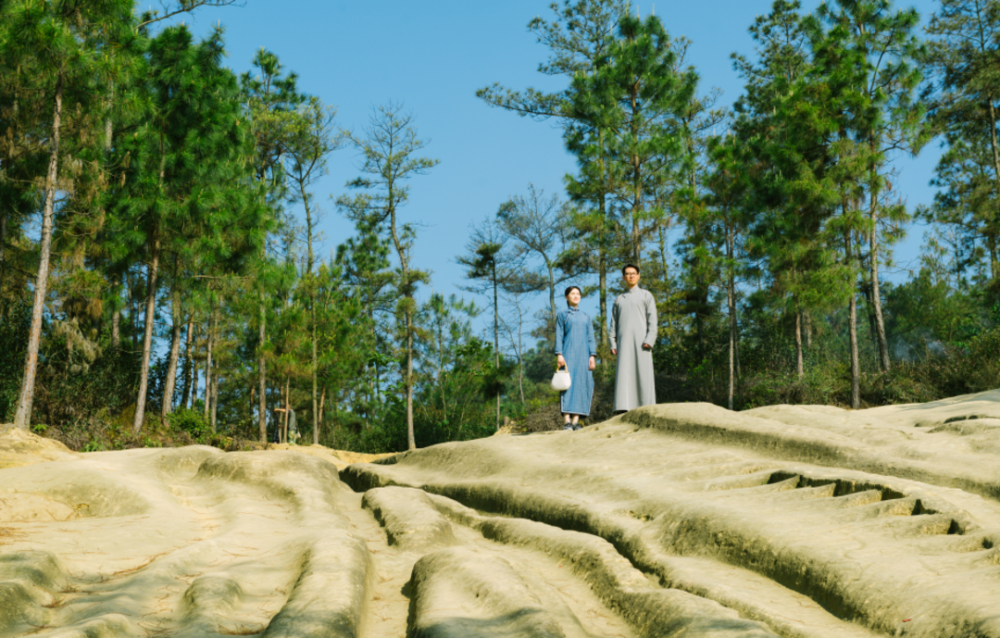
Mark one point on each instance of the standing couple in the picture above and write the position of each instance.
(633, 333)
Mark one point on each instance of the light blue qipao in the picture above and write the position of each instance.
(576, 343)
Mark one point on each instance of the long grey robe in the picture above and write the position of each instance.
(633, 323)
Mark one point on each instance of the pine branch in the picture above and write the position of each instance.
(189, 7)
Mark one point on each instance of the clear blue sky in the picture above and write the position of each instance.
(432, 56)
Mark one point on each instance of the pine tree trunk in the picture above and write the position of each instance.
(991, 244)
(213, 327)
(602, 286)
(411, 441)
(209, 347)
(799, 366)
(739, 374)
(310, 263)
(995, 149)
(401, 252)
(993, 139)
(133, 315)
(170, 382)
(188, 364)
(262, 377)
(636, 180)
(883, 342)
(732, 338)
(3, 247)
(116, 319)
(520, 359)
(731, 303)
(319, 419)
(147, 339)
(440, 372)
(315, 381)
(288, 409)
(602, 258)
(215, 399)
(853, 332)
(195, 375)
(496, 336)
(665, 261)
(855, 361)
(552, 301)
(22, 418)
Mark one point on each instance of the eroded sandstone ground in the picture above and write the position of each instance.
(674, 520)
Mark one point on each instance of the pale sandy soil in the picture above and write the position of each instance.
(682, 520)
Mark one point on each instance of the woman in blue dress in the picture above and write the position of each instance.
(576, 350)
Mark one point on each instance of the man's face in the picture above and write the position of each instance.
(631, 277)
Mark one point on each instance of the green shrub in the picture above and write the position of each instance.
(190, 421)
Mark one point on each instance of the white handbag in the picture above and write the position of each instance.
(561, 380)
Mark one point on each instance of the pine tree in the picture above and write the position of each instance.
(633, 99)
(186, 188)
(271, 99)
(785, 154)
(581, 33)
(312, 138)
(728, 212)
(68, 49)
(964, 99)
(363, 262)
(538, 226)
(388, 147)
(885, 117)
(487, 261)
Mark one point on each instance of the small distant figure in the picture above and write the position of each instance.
(576, 350)
(633, 333)
(293, 427)
(289, 428)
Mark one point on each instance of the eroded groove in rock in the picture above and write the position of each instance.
(534, 574)
(199, 543)
(626, 588)
(328, 597)
(653, 611)
(882, 552)
(459, 592)
(791, 521)
(409, 517)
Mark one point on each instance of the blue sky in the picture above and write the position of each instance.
(432, 56)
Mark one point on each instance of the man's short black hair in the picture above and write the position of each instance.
(571, 289)
(627, 266)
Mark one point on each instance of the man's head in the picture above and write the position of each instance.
(630, 274)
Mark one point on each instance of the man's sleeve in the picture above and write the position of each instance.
(652, 324)
(613, 333)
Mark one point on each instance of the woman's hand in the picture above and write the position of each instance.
(593, 363)
(560, 361)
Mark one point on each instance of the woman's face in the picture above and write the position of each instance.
(573, 297)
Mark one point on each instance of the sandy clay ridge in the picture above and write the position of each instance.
(681, 520)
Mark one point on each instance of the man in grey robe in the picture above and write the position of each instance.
(633, 333)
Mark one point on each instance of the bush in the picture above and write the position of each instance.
(190, 421)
